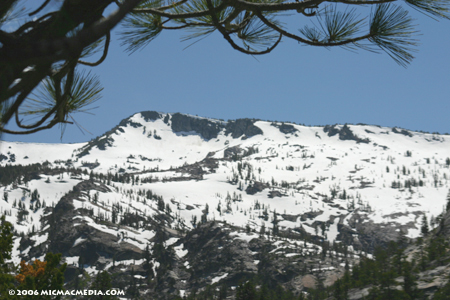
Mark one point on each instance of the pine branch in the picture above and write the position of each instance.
(391, 30)
(103, 57)
(436, 8)
(63, 97)
(140, 29)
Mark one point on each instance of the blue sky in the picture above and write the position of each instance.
(295, 83)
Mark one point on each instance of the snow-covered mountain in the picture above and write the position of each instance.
(358, 184)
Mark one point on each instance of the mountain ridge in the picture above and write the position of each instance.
(156, 178)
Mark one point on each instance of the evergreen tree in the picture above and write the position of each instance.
(5, 196)
(204, 217)
(35, 195)
(262, 230)
(6, 243)
(409, 281)
(448, 201)
(424, 229)
(246, 291)
(55, 39)
(132, 290)
(46, 275)
(437, 248)
(222, 292)
(102, 282)
(444, 292)
(275, 222)
(148, 265)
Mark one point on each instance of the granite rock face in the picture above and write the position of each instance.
(175, 203)
(185, 124)
(241, 127)
(72, 236)
(345, 134)
(206, 128)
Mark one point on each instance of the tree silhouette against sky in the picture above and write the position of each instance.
(40, 85)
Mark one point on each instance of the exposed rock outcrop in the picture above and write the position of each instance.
(256, 187)
(285, 128)
(70, 233)
(345, 134)
(207, 128)
(241, 127)
(402, 131)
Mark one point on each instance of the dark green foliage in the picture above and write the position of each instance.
(22, 174)
(275, 221)
(165, 256)
(249, 290)
(130, 219)
(246, 291)
(436, 8)
(133, 291)
(381, 272)
(448, 201)
(204, 217)
(140, 30)
(409, 281)
(35, 195)
(377, 293)
(341, 287)
(84, 89)
(390, 264)
(391, 29)
(437, 248)
(21, 214)
(102, 283)
(148, 265)
(51, 279)
(443, 293)
(81, 278)
(6, 242)
(253, 29)
(424, 229)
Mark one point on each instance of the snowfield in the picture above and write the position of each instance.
(307, 177)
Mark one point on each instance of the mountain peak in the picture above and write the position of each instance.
(207, 189)
(181, 124)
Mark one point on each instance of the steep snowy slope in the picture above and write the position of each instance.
(360, 184)
(386, 174)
